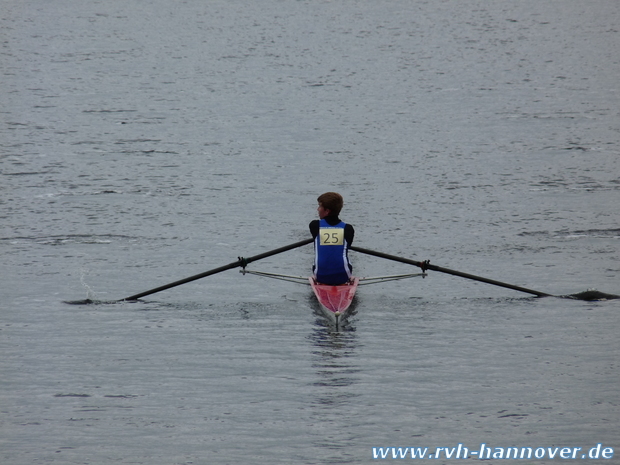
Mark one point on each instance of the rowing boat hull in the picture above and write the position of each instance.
(335, 301)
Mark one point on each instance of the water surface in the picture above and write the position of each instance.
(145, 142)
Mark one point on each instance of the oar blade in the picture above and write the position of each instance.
(592, 295)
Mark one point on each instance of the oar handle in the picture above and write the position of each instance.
(428, 266)
(241, 262)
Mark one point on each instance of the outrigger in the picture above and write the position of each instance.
(334, 301)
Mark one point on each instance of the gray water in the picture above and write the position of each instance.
(143, 142)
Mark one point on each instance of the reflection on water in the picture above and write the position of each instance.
(336, 361)
(334, 358)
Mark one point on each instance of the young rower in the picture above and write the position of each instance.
(332, 238)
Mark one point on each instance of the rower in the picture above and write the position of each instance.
(332, 239)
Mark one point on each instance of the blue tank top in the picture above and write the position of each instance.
(331, 262)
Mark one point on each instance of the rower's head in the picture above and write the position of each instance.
(330, 203)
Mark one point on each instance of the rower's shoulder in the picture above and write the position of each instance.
(314, 227)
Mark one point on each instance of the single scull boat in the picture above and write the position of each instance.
(335, 301)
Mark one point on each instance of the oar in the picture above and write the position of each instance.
(428, 266)
(241, 262)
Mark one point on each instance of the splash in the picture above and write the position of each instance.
(90, 294)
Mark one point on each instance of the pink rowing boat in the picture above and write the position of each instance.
(335, 300)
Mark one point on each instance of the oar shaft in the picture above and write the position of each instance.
(448, 271)
(186, 280)
(280, 250)
(240, 262)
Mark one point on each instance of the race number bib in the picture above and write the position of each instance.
(331, 236)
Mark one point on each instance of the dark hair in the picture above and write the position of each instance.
(332, 201)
